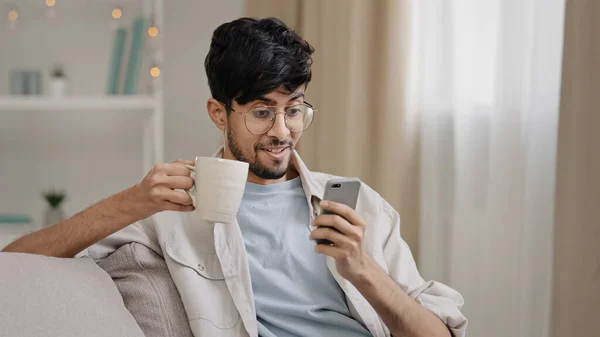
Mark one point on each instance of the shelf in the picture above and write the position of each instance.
(99, 103)
(70, 125)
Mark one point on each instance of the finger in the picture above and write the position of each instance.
(178, 182)
(185, 162)
(178, 197)
(344, 211)
(175, 169)
(338, 239)
(339, 223)
(333, 251)
(169, 206)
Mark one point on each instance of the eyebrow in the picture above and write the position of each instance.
(274, 102)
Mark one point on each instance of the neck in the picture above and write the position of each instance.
(253, 178)
(289, 175)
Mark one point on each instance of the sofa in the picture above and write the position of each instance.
(128, 294)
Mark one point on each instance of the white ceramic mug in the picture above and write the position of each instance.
(218, 188)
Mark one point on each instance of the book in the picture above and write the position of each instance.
(14, 218)
(17, 82)
(135, 54)
(116, 61)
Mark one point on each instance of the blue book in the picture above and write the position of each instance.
(34, 83)
(116, 61)
(133, 66)
(17, 82)
(14, 219)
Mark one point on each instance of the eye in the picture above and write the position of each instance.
(261, 113)
(293, 112)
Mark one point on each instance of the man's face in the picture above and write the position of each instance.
(269, 154)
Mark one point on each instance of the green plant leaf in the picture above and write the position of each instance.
(54, 198)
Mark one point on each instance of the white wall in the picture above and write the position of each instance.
(189, 131)
(95, 156)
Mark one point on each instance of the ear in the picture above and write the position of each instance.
(217, 113)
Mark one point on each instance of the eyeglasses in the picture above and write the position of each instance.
(261, 119)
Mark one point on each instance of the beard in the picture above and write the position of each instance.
(277, 171)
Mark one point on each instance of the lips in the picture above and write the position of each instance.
(276, 152)
(278, 149)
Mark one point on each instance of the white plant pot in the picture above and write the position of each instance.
(52, 216)
(58, 86)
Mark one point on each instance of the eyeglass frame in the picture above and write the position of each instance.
(275, 118)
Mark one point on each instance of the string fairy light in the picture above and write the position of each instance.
(13, 15)
(51, 10)
(117, 13)
(155, 71)
(152, 31)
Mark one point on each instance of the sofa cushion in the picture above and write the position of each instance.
(46, 296)
(148, 290)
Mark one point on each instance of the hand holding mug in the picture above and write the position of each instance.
(210, 187)
(157, 192)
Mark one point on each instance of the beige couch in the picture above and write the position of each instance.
(128, 294)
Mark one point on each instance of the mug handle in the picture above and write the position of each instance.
(192, 191)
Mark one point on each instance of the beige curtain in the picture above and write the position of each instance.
(366, 125)
(576, 293)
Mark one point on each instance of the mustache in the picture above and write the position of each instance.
(274, 142)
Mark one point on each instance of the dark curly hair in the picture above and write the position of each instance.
(249, 58)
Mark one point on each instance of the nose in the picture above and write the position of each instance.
(279, 130)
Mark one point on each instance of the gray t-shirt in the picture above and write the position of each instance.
(294, 292)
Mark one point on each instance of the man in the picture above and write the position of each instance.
(264, 275)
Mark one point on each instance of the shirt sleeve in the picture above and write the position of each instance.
(437, 297)
(142, 232)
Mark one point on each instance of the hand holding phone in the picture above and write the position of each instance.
(341, 190)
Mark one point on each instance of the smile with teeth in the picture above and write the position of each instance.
(279, 150)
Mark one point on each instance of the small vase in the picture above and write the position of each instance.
(53, 215)
(58, 86)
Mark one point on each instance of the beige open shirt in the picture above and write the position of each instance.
(209, 265)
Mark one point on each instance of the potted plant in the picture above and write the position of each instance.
(54, 212)
(58, 82)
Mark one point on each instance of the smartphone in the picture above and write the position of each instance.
(341, 190)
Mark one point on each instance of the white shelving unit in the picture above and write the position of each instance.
(47, 117)
(147, 107)
(11, 232)
(13, 104)
(151, 106)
